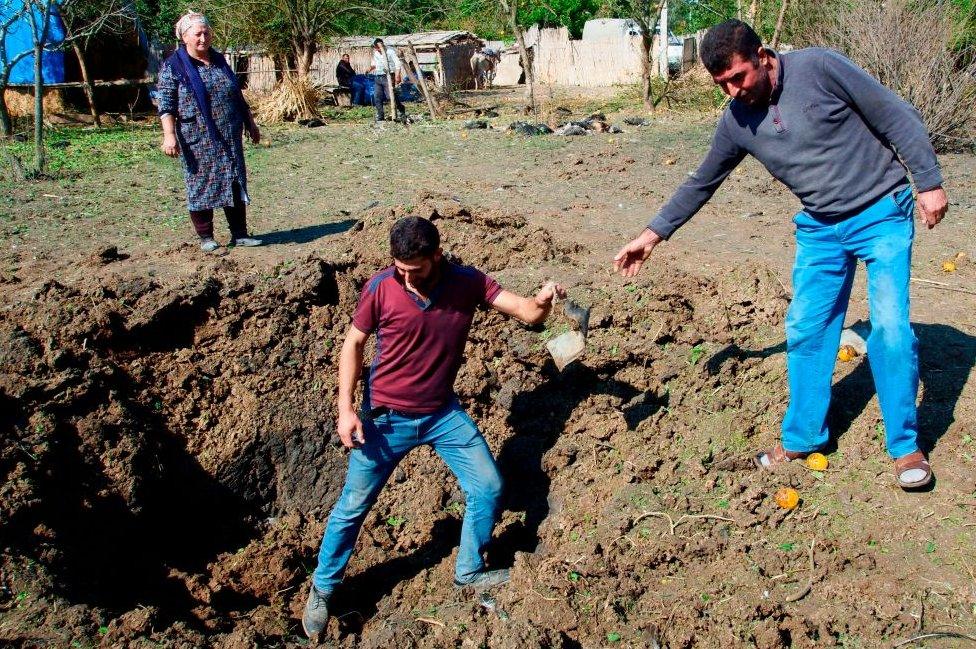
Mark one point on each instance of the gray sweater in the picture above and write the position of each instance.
(829, 133)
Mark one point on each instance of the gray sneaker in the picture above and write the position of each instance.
(485, 580)
(208, 245)
(246, 242)
(316, 613)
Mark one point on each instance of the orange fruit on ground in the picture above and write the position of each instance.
(948, 267)
(846, 354)
(816, 462)
(787, 497)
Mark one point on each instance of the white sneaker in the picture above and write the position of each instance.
(246, 242)
(208, 245)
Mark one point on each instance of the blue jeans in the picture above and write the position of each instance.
(389, 437)
(826, 256)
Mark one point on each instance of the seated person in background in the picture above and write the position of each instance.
(344, 72)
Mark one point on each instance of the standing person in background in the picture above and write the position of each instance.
(204, 115)
(344, 72)
(385, 60)
(841, 142)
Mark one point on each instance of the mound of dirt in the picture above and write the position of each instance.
(168, 462)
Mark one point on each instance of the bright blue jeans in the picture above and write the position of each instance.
(826, 256)
(389, 437)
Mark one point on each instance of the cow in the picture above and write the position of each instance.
(483, 63)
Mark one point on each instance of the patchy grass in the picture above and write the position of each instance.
(73, 150)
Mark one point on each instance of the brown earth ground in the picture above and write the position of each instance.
(167, 417)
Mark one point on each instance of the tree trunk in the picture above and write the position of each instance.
(89, 91)
(39, 108)
(280, 66)
(511, 12)
(526, 65)
(646, 71)
(648, 25)
(753, 12)
(304, 56)
(779, 24)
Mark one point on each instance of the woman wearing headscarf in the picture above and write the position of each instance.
(204, 115)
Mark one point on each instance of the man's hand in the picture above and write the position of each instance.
(350, 429)
(631, 257)
(548, 293)
(932, 206)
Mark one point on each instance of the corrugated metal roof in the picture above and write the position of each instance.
(418, 39)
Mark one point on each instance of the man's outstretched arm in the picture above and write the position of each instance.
(530, 310)
(349, 426)
(723, 156)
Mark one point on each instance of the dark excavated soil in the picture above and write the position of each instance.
(168, 460)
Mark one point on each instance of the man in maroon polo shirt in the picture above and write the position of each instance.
(421, 310)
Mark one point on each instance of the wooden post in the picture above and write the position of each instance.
(431, 105)
(86, 80)
(440, 66)
(389, 81)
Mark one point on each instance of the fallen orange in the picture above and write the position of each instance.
(948, 267)
(816, 461)
(787, 497)
(846, 354)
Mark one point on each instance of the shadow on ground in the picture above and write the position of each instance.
(946, 358)
(308, 233)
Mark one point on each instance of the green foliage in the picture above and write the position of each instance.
(571, 14)
(158, 17)
(689, 16)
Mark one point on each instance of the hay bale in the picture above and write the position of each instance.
(293, 99)
(20, 101)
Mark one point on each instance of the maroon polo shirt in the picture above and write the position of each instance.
(419, 345)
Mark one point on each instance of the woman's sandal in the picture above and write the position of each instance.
(912, 471)
(776, 456)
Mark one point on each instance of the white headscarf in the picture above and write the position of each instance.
(191, 18)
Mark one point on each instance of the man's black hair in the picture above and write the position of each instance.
(412, 237)
(725, 40)
(377, 42)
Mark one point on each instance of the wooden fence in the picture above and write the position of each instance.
(561, 61)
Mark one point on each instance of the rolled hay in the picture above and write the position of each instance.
(20, 101)
(293, 99)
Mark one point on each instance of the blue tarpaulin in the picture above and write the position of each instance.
(19, 39)
(361, 86)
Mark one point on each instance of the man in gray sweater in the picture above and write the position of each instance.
(841, 142)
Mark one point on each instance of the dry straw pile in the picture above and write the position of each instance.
(915, 49)
(293, 99)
